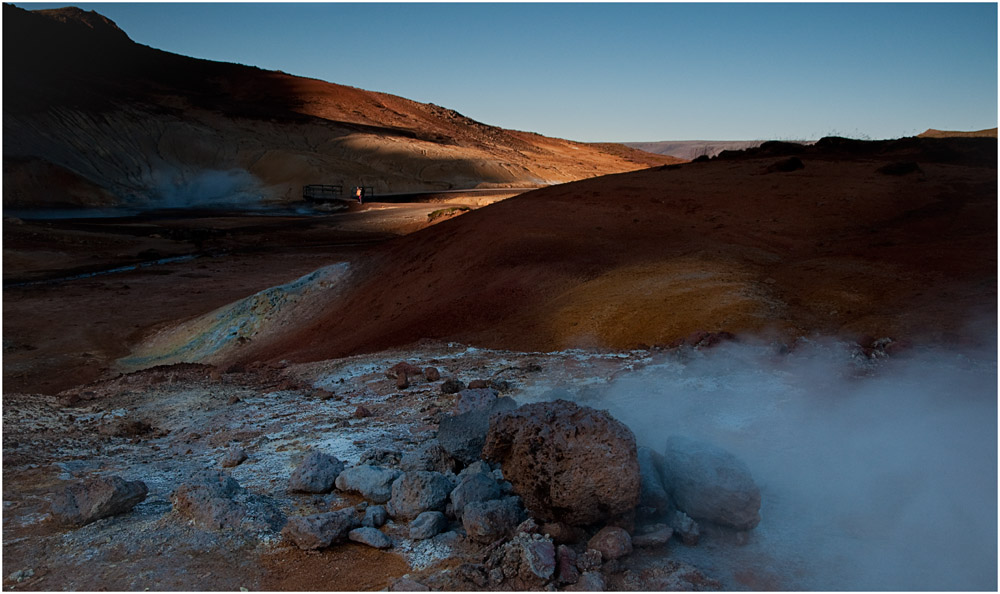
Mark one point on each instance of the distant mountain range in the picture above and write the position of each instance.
(692, 149)
(92, 118)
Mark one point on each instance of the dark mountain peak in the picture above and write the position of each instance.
(78, 18)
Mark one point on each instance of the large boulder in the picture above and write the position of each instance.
(475, 399)
(316, 473)
(97, 498)
(710, 484)
(207, 499)
(374, 483)
(370, 536)
(428, 525)
(319, 531)
(568, 463)
(613, 543)
(462, 435)
(489, 521)
(430, 456)
(418, 491)
(472, 487)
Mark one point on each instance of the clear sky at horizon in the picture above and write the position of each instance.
(620, 72)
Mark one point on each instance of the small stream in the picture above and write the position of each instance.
(115, 270)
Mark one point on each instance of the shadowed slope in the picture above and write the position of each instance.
(843, 245)
(148, 126)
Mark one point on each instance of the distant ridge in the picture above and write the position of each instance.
(692, 149)
(932, 133)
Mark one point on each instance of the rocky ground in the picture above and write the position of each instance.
(164, 425)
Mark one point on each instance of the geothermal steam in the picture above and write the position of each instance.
(874, 475)
(181, 188)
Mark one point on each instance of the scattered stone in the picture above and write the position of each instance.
(708, 483)
(451, 386)
(463, 435)
(432, 374)
(430, 456)
(323, 394)
(488, 521)
(234, 457)
(479, 466)
(473, 487)
(208, 500)
(428, 525)
(589, 560)
(568, 463)
(528, 526)
(375, 516)
(402, 369)
(361, 412)
(380, 457)
(685, 527)
(563, 533)
(478, 384)
(97, 498)
(527, 562)
(656, 535)
(566, 571)
(590, 581)
(651, 491)
(316, 473)
(418, 491)
(319, 531)
(374, 483)
(402, 381)
(20, 575)
(370, 536)
(500, 385)
(613, 543)
(474, 398)
(405, 584)
(234, 399)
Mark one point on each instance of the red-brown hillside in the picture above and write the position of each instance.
(147, 126)
(873, 239)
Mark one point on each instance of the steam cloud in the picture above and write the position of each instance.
(206, 187)
(873, 476)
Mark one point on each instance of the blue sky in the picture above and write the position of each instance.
(621, 72)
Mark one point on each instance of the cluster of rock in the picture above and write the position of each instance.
(558, 494)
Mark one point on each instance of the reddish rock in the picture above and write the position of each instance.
(568, 463)
(612, 542)
(402, 368)
(97, 498)
(361, 412)
(478, 384)
(564, 533)
(319, 531)
(322, 394)
(402, 381)
(566, 571)
(451, 386)
(432, 374)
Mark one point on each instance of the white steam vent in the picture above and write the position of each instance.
(873, 476)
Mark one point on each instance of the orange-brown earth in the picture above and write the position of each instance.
(866, 239)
